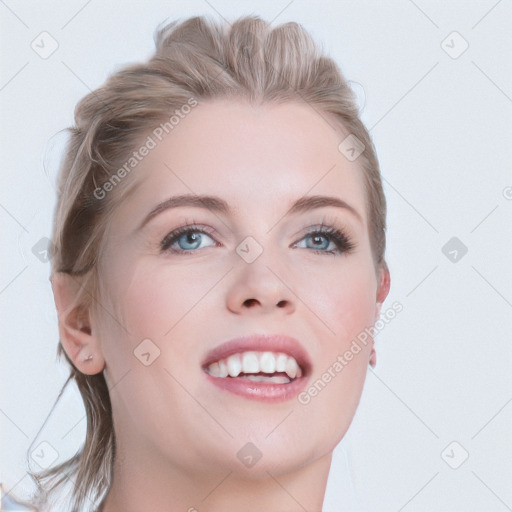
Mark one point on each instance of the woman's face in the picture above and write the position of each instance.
(255, 267)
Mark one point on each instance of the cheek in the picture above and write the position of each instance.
(159, 301)
(345, 301)
(343, 298)
(160, 295)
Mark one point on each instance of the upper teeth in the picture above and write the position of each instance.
(255, 362)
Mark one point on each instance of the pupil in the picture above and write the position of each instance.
(318, 239)
(190, 238)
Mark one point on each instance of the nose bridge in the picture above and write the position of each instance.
(260, 277)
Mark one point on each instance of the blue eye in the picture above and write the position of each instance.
(324, 240)
(188, 239)
(326, 237)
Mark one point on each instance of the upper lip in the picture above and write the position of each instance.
(261, 343)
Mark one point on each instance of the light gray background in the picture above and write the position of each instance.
(441, 126)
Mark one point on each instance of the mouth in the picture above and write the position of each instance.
(261, 367)
(258, 367)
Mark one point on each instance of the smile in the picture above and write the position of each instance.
(261, 367)
(257, 366)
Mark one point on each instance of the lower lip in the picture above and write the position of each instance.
(262, 391)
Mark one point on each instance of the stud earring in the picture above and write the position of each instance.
(88, 358)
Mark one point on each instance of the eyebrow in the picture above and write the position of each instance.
(217, 205)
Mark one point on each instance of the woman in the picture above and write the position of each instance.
(219, 249)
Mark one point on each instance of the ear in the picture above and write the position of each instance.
(384, 283)
(77, 334)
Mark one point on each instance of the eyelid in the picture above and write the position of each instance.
(326, 223)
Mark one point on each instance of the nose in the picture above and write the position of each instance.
(260, 287)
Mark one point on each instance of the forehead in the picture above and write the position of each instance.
(258, 158)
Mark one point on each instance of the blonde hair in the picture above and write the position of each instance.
(201, 59)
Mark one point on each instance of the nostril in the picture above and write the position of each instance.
(252, 302)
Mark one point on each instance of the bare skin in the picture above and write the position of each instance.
(177, 435)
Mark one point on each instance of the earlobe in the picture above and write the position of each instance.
(76, 333)
(373, 358)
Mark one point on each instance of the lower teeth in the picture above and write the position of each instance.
(277, 379)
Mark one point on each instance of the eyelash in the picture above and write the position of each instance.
(342, 241)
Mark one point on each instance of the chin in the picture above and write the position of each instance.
(254, 457)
